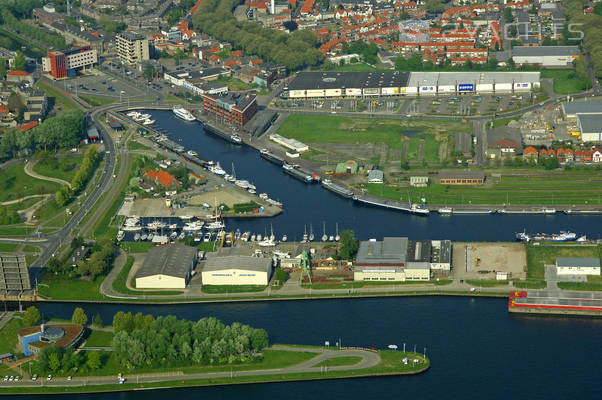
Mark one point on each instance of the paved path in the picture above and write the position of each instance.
(29, 171)
(6, 203)
(368, 359)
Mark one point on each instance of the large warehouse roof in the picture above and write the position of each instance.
(582, 107)
(172, 260)
(337, 80)
(540, 51)
(453, 78)
(259, 264)
(590, 123)
(392, 250)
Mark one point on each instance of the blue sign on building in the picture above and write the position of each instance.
(465, 87)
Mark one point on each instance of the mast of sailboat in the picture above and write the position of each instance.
(233, 172)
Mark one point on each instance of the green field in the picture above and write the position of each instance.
(64, 288)
(8, 344)
(133, 145)
(543, 254)
(8, 247)
(66, 168)
(338, 361)
(97, 100)
(15, 184)
(535, 187)
(235, 84)
(61, 101)
(486, 282)
(312, 129)
(99, 339)
(136, 247)
(565, 81)
(594, 282)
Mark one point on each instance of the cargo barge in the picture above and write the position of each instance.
(234, 139)
(555, 302)
(340, 190)
(267, 155)
(295, 173)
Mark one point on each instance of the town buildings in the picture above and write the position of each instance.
(237, 270)
(233, 108)
(132, 47)
(167, 267)
(61, 64)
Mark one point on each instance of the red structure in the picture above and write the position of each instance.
(233, 108)
(58, 64)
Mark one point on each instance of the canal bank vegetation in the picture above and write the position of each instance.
(220, 289)
(486, 282)
(541, 254)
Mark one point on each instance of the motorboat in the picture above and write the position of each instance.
(324, 236)
(235, 139)
(194, 226)
(258, 237)
(173, 235)
(237, 235)
(263, 196)
(133, 114)
(120, 236)
(284, 238)
(217, 169)
(183, 114)
(131, 224)
(207, 237)
(143, 237)
(156, 225)
(151, 236)
(252, 191)
(148, 122)
(181, 236)
(331, 238)
(136, 237)
(245, 236)
(267, 243)
(192, 153)
(337, 237)
(253, 237)
(215, 225)
(445, 211)
(242, 183)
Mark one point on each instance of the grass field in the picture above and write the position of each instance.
(61, 101)
(486, 282)
(235, 84)
(64, 288)
(565, 81)
(136, 247)
(335, 129)
(8, 344)
(15, 184)
(538, 256)
(133, 145)
(535, 187)
(8, 247)
(213, 289)
(66, 168)
(593, 283)
(530, 284)
(335, 362)
(99, 339)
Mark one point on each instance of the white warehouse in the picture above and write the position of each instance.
(546, 56)
(578, 266)
(167, 267)
(237, 270)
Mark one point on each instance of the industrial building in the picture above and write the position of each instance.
(237, 270)
(391, 83)
(578, 266)
(441, 255)
(61, 64)
(546, 56)
(233, 108)
(590, 127)
(573, 108)
(289, 143)
(167, 267)
(393, 259)
(451, 177)
(132, 48)
(198, 81)
(14, 275)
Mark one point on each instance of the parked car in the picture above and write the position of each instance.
(49, 377)
(34, 377)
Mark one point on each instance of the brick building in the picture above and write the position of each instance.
(233, 108)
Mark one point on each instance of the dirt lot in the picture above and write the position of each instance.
(507, 257)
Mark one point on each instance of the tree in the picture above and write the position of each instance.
(31, 316)
(434, 5)
(79, 316)
(77, 242)
(19, 62)
(550, 163)
(149, 71)
(349, 245)
(2, 68)
(97, 321)
(508, 14)
(54, 363)
(93, 361)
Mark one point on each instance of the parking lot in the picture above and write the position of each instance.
(440, 105)
(103, 85)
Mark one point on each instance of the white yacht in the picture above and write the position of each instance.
(215, 225)
(217, 170)
(181, 236)
(136, 237)
(267, 243)
(156, 225)
(148, 122)
(245, 236)
(183, 114)
(131, 224)
(284, 238)
(194, 226)
(120, 236)
(242, 183)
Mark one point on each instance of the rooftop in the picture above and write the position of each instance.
(391, 250)
(14, 275)
(458, 174)
(538, 51)
(335, 80)
(172, 260)
(578, 262)
(582, 107)
(419, 250)
(240, 101)
(590, 123)
(130, 36)
(259, 264)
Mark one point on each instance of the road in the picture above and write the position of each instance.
(368, 359)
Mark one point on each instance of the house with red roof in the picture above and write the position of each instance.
(28, 126)
(163, 178)
(530, 152)
(19, 76)
(596, 155)
(583, 156)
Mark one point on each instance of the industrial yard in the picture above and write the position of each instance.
(487, 261)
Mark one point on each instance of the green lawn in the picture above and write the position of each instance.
(565, 81)
(62, 102)
(8, 343)
(99, 339)
(593, 283)
(501, 122)
(66, 168)
(64, 288)
(360, 284)
(119, 284)
(97, 100)
(543, 254)
(521, 186)
(486, 282)
(8, 247)
(136, 247)
(133, 145)
(235, 84)
(15, 184)
(213, 289)
(16, 230)
(338, 361)
(31, 249)
(530, 284)
(207, 246)
(357, 67)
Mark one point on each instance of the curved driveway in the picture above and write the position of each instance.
(29, 171)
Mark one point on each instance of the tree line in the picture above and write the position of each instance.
(81, 178)
(98, 263)
(591, 27)
(61, 131)
(166, 341)
(52, 40)
(295, 50)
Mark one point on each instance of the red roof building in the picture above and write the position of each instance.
(163, 178)
(28, 126)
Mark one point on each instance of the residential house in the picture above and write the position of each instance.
(504, 148)
(530, 152)
(163, 178)
(19, 76)
(596, 155)
(583, 156)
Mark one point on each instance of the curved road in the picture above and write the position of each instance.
(29, 171)
(368, 359)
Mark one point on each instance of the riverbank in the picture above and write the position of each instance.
(346, 363)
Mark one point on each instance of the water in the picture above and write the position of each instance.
(306, 204)
(477, 348)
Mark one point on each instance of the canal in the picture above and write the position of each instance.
(478, 349)
(311, 205)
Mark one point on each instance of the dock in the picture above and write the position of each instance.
(556, 302)
(390, 204)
